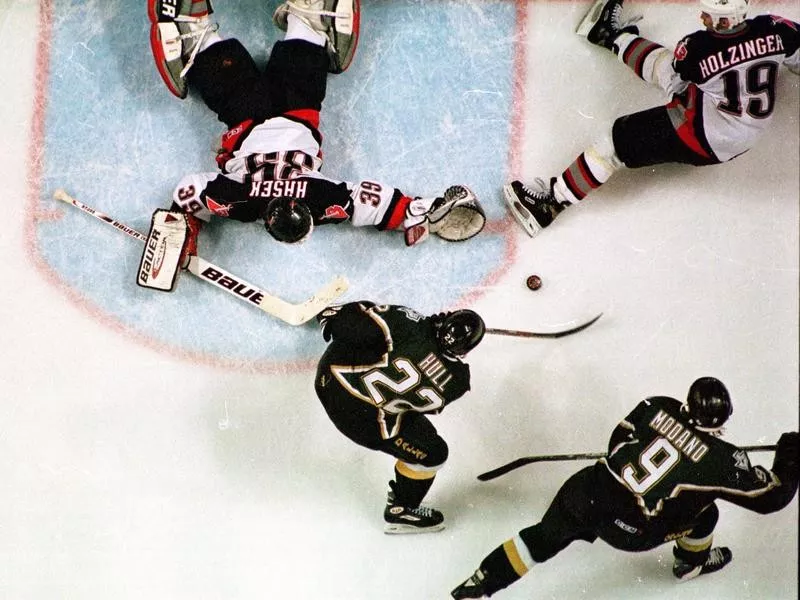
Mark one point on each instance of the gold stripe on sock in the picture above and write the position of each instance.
(406, 471)
(695, 545)
(520, 568)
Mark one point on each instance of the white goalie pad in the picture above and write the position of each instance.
(461, 218)
(159, 266)
(593, 15)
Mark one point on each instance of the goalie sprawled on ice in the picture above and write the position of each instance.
(269, 158)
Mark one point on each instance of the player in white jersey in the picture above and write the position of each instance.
(721, 81)
(270, 157)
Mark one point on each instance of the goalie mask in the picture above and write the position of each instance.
(458, 332)
(708, 404)
(288, 220)
(732, 11)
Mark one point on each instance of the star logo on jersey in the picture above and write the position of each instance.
(222, 210)
(741, 460)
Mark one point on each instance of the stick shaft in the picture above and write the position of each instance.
(527, 460)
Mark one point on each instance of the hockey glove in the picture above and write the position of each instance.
(786, 453)
(325, 320)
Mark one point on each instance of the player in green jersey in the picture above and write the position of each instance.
(385, 369)
(665, 467)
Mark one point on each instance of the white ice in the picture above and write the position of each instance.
(128, 473)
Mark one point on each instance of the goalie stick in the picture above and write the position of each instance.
(527, 460)
(293, 314)
(534, 334)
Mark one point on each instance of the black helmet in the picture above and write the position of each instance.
(708, 403)
(288, 220)
(459, 332)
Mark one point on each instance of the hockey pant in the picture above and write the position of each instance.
(659, 135)
(409, 437)
(582, 511)
(229, 82)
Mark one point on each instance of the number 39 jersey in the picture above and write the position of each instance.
(665, 462)
(734, 75)
(280, 157)
(387, 357)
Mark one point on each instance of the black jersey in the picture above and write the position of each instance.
(210, 194)
(387, 356)
(672, 468)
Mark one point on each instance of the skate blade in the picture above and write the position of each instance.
(401, 528)
(592, 16)
(521, 214)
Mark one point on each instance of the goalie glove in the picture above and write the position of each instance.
(455, 216)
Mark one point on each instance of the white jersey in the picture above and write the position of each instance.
(278, 148)
(732, 99)
(281, 157)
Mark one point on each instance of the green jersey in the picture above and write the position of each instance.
(388, 357)
(669, 465)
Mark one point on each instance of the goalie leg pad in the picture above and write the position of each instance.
(178, 31)
(338, 20)
(160, 263)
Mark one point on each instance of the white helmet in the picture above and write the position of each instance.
(735, 11)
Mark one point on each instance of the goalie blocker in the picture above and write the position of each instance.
(163, 250)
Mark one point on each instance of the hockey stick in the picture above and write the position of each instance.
(526, 460)
(534, 334)
(293, 314)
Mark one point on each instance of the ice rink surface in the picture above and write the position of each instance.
(170, 446)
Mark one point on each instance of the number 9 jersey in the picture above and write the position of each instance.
(673, 469)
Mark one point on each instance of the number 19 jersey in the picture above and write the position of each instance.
(735, 75)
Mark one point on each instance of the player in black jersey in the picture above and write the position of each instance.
(386, 368)
(664, 470)
(270, 157)
(721, 81)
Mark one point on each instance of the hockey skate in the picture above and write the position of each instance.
(602, 24)
(472, 587)
(534, 207)
(403, 519)
(177, 31)
(338, 20)
(717, 559)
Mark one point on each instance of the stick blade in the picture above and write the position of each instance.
(579, 327)
(301, 313)
(548, 334)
